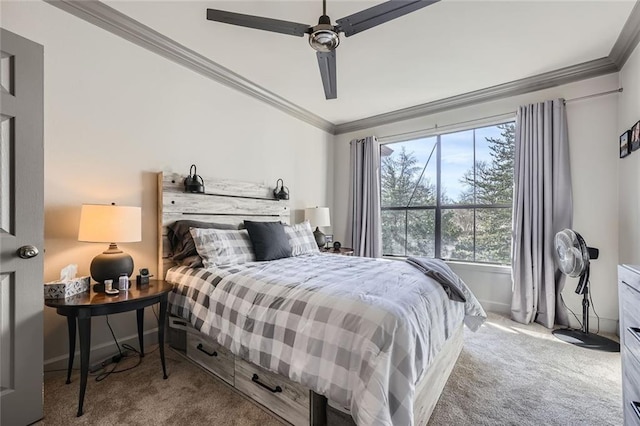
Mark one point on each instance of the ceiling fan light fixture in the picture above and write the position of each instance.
(324, 38)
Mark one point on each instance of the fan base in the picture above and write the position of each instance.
(587, 340)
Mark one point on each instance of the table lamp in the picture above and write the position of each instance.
(318, 216)
(110, 224)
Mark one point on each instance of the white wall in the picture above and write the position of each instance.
(115, 114)
(594, 159)
(629, 183)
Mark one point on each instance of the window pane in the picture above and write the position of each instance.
(421, 233)
(393, 233)
(457, 234)
(457, 168)
(404, 179)
(475, 169)
(494, 164)
(493, 235)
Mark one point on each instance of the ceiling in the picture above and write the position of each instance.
(446, 49)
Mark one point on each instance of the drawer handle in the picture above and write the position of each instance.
(182, 323)
(256, 379)
(634, 331)
(202, 349)
(636, 408)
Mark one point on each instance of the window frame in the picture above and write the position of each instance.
(439, 206)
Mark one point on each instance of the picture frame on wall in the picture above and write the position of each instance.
(635, 136)
(624, 144)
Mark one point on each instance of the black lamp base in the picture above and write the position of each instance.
(321, 240)
(110, 264)
(587, 340)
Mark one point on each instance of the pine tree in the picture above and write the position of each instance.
(493, 185)
(401, 186)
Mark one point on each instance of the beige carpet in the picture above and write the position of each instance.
(507, 374)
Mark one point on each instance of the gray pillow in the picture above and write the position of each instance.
(182, 245)
(269, 240)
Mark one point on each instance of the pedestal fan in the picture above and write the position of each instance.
(573, 258)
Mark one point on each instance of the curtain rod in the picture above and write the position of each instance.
(503, 115)
(594, 95)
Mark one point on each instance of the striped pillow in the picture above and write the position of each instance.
(218, 247)
(301, 239)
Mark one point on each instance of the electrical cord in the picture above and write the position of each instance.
(569, 309)
(592, 307)
(594, 311)
(113, 335)
(121, 356)
(116, 359)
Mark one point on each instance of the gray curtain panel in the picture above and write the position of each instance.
(542, 206)
(364, 223)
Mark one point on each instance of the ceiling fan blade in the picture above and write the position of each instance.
(379, 14)
(327, 63)
(258, 22)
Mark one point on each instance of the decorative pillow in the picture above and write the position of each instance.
(268, 239)
(218, 247)
(180, 238)
(301, 239)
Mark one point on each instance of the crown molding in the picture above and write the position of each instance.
(542, 81)
(121, 25)
(628, 39)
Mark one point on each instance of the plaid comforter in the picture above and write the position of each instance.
(360, 331)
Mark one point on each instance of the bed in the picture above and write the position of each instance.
(309, 334)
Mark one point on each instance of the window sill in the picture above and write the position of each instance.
(469, 266)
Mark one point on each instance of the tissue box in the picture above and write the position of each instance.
(63, 289)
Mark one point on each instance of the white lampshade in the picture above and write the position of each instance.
(110, 224)
(318, 216)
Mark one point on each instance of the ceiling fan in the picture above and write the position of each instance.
(324, 37)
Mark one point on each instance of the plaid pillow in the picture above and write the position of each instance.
(301, 239)
(219, 247)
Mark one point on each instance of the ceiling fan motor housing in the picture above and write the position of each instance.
(324, 37)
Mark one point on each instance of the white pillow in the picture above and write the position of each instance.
(301, 239)
(218, 247)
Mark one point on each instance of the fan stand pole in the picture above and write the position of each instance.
(585, 306)
(582, 337)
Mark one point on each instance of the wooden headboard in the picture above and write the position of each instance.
(224, 201)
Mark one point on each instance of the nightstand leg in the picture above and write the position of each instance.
(84, 326)
(71, 325)
(161, 321)
(140, 315)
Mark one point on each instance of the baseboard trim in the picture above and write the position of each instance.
(607, 325)
(497, 307)
(101, 351)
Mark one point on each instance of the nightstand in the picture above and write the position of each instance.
(82, 307)
(345, 251)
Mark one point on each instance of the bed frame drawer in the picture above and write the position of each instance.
(211, 356)
(287, 399)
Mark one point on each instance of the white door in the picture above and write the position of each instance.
(21, 229)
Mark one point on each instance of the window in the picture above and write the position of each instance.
(449, 196)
